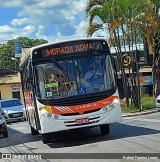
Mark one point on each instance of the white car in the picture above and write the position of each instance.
(158, 101)
(12, 109)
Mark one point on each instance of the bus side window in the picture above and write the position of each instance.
(41, 82)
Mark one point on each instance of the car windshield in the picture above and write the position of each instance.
(58, 79)
(11, 103)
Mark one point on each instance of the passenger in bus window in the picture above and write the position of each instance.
(51, 84)
(82, 87)
(73, 90)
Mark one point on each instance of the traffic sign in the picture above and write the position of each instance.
(18, 49)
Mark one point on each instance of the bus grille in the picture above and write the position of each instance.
(86, 112)
(73, 123)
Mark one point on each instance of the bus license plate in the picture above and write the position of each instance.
(81, 121)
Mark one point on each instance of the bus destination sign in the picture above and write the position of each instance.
(72, 48)
(69, 49)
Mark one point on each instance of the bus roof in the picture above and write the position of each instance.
(65, 41)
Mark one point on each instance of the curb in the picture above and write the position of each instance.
(141, 113)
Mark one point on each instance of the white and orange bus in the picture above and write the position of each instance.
(82, 91)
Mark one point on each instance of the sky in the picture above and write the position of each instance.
(52, 20)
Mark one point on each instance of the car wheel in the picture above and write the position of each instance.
(46, 138)
(104, 129)
(5, 134)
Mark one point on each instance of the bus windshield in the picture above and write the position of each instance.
(72, 77)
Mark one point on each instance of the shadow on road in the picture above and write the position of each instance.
(86, 136)
(76, 137)
(16, 137)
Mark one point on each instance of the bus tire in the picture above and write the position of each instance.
(104, 129)
(5, 134)
(34, 132)
(46, 138)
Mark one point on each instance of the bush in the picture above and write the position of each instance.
(146, 103)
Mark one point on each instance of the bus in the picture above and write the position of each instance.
(73, 97)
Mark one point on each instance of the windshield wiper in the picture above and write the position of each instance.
(91, 53)
(59, 67)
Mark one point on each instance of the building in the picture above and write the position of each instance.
(143, 68)
(10, 86)
(10, 82)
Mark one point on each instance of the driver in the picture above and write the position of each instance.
(92, 73)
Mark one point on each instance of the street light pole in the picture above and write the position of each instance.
(13, 58)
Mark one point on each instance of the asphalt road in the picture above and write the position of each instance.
(138, 134)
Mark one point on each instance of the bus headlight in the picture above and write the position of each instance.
(116, 101)
(46, 113)
(49, 115)
(43, 111)
(56, 116)
(46, 110)
(109, 107)
(105, 108)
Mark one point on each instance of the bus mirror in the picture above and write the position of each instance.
(116, 64)
(29, 72)
(29, 69)
(30, 80)
(29, 66)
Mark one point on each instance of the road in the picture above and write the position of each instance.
(140, 134)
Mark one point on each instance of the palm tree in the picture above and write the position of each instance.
(156, 48)
(124, 19)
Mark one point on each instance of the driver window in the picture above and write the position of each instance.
(94, 76)
(51, 84)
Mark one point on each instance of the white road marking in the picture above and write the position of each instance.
(142, 119)
(149, 120)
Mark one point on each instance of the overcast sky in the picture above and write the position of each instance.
(52, 20)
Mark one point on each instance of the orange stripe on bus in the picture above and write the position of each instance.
(83, 107)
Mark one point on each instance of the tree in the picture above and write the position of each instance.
(156, 48)
(26, 42)
(7, 51)
(127, 22)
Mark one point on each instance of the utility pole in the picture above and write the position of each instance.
(138, 81)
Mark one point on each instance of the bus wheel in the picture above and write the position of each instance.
(5, 134)
(104, 129)
(34, 132)
(46, 138)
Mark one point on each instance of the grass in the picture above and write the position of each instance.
(146, 102)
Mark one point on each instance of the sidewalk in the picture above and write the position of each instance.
(141, 113)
